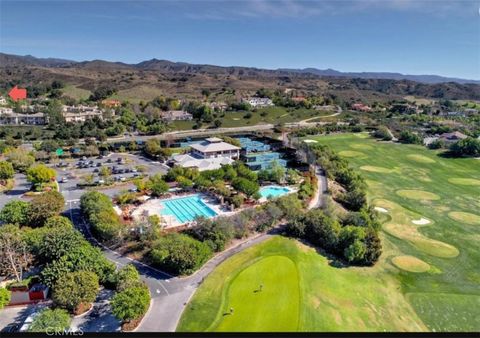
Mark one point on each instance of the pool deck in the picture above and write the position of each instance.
(290, 188)
(154, 206)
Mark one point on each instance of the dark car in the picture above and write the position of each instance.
(95, 313)
(109, 160)
(98, 164)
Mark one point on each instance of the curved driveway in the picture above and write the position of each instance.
(169, 294)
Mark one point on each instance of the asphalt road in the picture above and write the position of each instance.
(170, 294)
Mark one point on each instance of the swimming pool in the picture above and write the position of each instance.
(273, 191)
(186, 209)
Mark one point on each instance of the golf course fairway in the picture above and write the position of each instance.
(426, 279)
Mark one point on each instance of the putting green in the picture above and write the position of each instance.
(418, 195)
(420, 158)
(278, 300)
(352, 153)
(465, 217)
(435, 248)
(374, 169)
(452, 243)
(464, 181)
(301, 292)
(410, 263)
(361, 146)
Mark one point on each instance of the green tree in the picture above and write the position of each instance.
(246, 186)
(131, 304)
(44, 206)
(277, 172)
(6, 170)
(58, 223)
(157, 185)
(75, 289)
(15, 212)
(81, 258)
(382, 133)
(321, 229)
(104, 171)
(20, 158)
(179, 253)
(40, 173)
(466, 147)
(4, 297)
(98, 209)
(127, 277)
(15, 257)
(49, 321)
(59, 242)
(54, 113)
(216, 234)
(409, 137)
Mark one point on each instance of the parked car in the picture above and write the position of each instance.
(109, 160)
(98, 164)
(123, 179)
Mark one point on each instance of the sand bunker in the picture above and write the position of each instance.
(351, 153)
(410, 263)
(421, 221)
(309, 141)
(374, 169)
(380, 209)
(418, 195)
(420, 158)
(465, 217)
(464, 181)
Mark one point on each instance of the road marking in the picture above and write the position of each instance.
(163, 287)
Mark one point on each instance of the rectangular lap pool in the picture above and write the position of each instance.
(273, 191)
(186, 209)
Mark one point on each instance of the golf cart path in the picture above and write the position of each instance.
(166, 310)
(169, 294)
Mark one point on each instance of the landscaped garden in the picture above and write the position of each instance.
(426, 279)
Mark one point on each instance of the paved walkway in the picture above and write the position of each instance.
(322, 189)
(169, 294)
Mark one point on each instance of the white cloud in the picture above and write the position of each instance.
(311, 8)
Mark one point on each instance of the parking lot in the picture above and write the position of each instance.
(121, 168)
(72, 172)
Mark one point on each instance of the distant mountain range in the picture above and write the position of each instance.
(152, 78)
(155, 64)
(383, 75)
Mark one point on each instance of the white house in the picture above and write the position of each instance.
(176, 115)
(215, 147)
(208, 155)
(9, 117)
(257, 102)
(81, 113)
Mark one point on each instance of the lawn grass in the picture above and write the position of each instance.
(273, 115)
(426, 279)
(419, 183)
(270, 115)
(76, 93)
(301, 292)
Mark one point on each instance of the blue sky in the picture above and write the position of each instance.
(407, 36)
